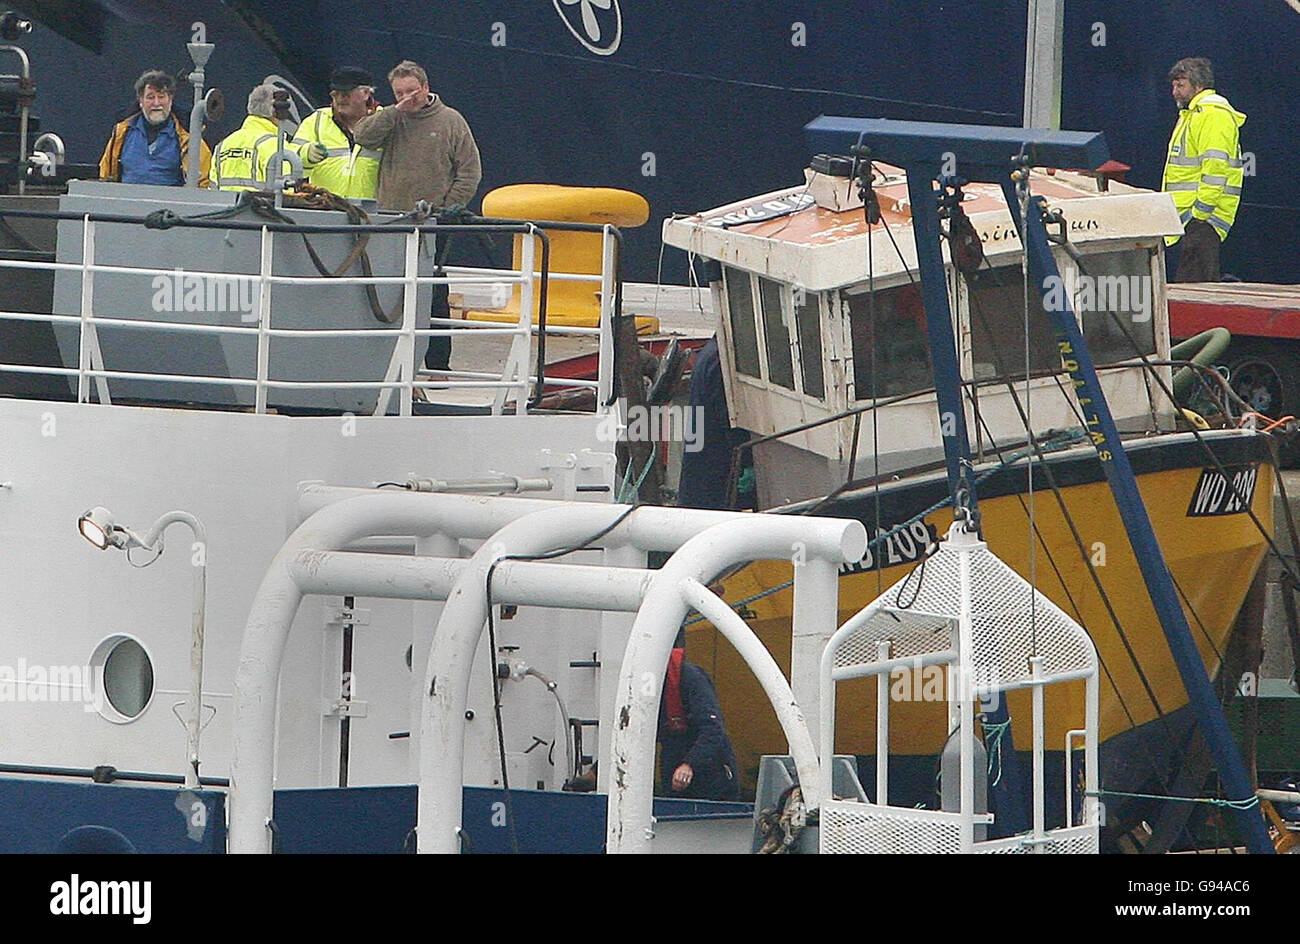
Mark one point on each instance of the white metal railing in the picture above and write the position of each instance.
(514, 379)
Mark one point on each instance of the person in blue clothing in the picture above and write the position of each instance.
(696, 757)
(706, 473)
(151, 145)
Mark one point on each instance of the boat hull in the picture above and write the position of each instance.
(1213, 551)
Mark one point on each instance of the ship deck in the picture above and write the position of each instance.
(682, 313)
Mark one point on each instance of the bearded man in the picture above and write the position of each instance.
(151, 146)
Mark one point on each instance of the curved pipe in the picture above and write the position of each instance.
(456, 639)
(340, 522)
(194, 708)
(261, 651)
(1205, 348)
(451, 657)
(737, 632)
(753, 537)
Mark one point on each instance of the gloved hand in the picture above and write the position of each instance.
(316, 152)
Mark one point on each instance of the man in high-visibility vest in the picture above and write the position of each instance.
(1203, 170)
(348, 169)
(243, 157)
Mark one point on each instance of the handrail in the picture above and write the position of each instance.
(488, 224)
(401, 376)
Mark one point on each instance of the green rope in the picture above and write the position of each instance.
(624, 493)
(1209, 801)
(1054, 444)
(995, 731)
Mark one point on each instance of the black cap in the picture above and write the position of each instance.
(346, 78)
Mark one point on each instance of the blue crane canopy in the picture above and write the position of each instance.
(981, 152)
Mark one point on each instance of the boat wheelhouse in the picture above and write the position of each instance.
(802, 289)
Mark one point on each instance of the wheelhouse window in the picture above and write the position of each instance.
(895, 332)
(893, 337)
(740, 310)
(997, 325)
(1117, 286)
(776, 338)
(807, 318)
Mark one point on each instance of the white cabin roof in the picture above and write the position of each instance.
(821, 249)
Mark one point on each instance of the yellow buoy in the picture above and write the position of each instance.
(571, 304)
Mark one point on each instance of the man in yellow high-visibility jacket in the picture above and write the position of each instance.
(1203, 169)
(347, 169)
(243, 157)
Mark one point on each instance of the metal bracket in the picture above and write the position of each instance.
(554, 460)
(176, 710)
(346, 708)
(566, 464)
(345, 616)
(589, 459)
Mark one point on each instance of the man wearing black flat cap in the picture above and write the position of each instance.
(346, 168)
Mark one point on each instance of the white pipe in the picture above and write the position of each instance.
(615, 630)
(406, 342)
(815, 616)
(1278, 796)
(737, 632)
(528, 248)
(888, 666)
(402, 577)
(263, 317)
(826, 715)
(198, 114)
(1036, 670)
(423, 620)
(605, 358)
(199, 561)
(882, 726)
(313, 496)
(494, 485)
(960, 678)
(87, 308)
(652, 528)
(753, 537)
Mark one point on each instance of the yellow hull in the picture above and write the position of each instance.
(1213, 560)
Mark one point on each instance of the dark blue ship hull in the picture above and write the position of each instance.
(697, 103)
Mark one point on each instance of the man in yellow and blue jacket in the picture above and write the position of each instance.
(243, 157)
(152, 145)
(347, 169)
(1203, 169)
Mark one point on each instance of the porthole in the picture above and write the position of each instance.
(123, 672)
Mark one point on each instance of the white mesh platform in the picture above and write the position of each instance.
(1077, 840)
(864, 828)
(849, 827)
(963, 608)
(1010, 621)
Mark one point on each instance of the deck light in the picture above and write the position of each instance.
(97, 527)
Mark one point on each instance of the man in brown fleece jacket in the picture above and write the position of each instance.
(429, 154)
(429, 151)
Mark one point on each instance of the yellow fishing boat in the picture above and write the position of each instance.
(825, 361)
